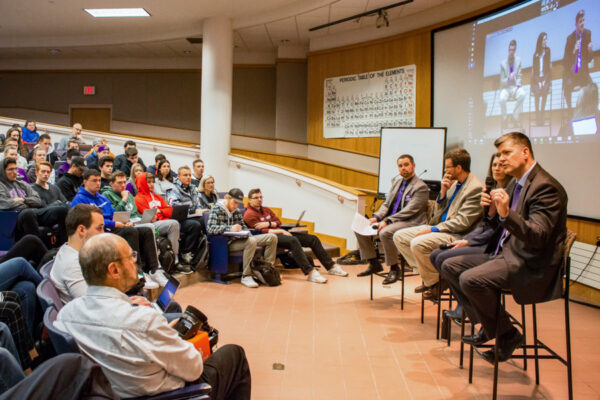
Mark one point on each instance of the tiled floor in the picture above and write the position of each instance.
(335, 343)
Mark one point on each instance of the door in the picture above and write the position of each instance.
(97, 119)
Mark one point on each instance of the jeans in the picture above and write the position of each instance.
(19, 276)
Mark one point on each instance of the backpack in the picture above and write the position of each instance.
(265, 272)
(166, 255)
(200, 260)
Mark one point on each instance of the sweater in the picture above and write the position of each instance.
(98, 200)
(253, 216)
(118, 204)
(50, 196)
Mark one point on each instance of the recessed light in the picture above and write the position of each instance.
(116, 12)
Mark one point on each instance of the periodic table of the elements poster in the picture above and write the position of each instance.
(359, 105)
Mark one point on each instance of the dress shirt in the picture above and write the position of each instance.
(66, 274)
(138, 352)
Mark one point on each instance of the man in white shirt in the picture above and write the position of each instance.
(138, 351)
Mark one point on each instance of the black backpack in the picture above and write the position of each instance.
(265, 272)
(200, 260)
(166, 255)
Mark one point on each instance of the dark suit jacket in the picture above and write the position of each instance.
(583, 76)
(546, 69)
(533, 248)
(413, 206)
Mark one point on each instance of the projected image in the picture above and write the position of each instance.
(539, 72)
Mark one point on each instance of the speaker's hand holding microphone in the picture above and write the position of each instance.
(489, 208)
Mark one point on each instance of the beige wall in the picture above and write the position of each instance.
(290, 115)
(163, 98)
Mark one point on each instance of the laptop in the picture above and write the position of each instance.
(180, 212)
(290, 225)
(147, 216)
(166, 295)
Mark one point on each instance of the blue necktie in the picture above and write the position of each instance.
(445, 214)
(513, 206)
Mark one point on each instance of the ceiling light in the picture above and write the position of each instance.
(116, 12)
(382, 19)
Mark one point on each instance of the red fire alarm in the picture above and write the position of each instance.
(89, 90)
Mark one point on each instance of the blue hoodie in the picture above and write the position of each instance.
(29, 136)
(98, 200)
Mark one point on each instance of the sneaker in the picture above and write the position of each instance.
(316, 277)
(249, 281)
(149, 283)
(187, 258)
(183, 269)
(159, 277)
(337, 270)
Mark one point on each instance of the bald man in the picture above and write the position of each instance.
(75, 135)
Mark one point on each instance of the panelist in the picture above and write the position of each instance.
(155, 358)
(510, 85)
(405, 206)
(527, 257)
(578, 51)
(456, 213)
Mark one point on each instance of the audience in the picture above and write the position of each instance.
(405, 205)
(19, 196)
(198, 170)
(156, 359)
(206, 190)
(91, 160)
(15, 133)
(12, 315)
(71, 180)
(38, 156)
(164, 179)
(260, 217)
(45, 142)
(49, 194)
(124, 162)
(154, 168)
(225, 216)
(64, 167)
(29, 132)
(10, 153)
(74, 137)
(456, 213)
(185, 193)
(136, 170)
(105, 163)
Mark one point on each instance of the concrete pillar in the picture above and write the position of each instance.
(215, 115)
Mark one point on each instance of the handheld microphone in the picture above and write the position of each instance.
(489, 184)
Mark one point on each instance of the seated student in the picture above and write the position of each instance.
(22, 248)
(71, 145)
(97, 151)
(456, 213)
(19, 196)
(83, 221)
(45, 142)
(29, 132)
(123, 162)
(185, 193)
(122, 200)
(12, 315)
(258, 216)
(75, 136)
(10, 367)
(198, 170)
(139, 238)
(105, 164)
(405, 205)
(49, 194)
(136, 170)
(15, 134)
(164, 179)
(10, 152)
(478, 240)
(207, 193)
(69, 155)
(225, 216)
(71, 180)
(38, 156)
(156, 359)
(153, 169)
(13, 143)
(191, 230)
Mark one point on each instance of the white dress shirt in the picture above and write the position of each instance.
(138, 351)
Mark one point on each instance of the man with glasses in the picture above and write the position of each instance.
(225, 216)
(155, 359)
(260, 217)
(456, 213)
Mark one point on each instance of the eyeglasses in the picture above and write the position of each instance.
(258, 198)
(134, 255)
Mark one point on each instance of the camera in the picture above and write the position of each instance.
(192, 321)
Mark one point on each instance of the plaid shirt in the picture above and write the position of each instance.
(220, 219)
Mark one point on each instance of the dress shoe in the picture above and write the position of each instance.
(433, 293)
(392, 276)
(508, 343)
(421, 289)
(371, 270)
(455, 315)
(477, 339)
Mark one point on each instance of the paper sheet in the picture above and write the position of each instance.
(361, 226)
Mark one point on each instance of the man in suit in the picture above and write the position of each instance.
(578, 50)
(510, 84)
(404, 206)
(526, 259)
(456, 213)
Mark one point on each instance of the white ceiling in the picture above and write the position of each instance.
(32, 28)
